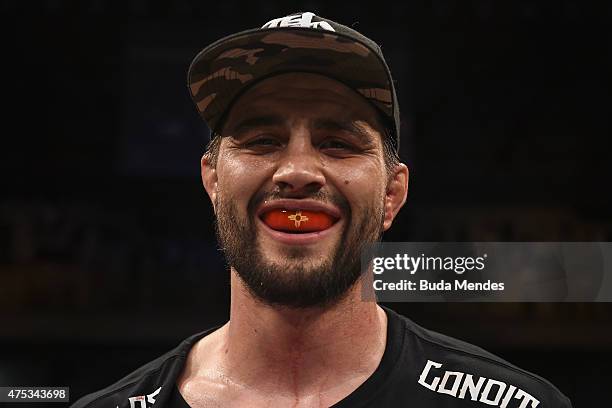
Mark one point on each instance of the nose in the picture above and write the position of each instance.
(299, 169)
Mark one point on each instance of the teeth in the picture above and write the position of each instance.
(297, 220)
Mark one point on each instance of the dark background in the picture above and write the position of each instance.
(107, 252)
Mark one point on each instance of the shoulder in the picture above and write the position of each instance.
(458, 369)
(151, 382)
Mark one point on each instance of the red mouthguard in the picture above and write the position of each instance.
(297, 220)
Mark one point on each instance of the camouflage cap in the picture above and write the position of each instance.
(300, 42)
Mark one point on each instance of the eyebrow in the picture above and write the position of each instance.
(330, 124)
(344, 125)
(257, 121)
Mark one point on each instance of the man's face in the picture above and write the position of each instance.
(299, 188)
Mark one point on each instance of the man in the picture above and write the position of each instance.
(303, 172)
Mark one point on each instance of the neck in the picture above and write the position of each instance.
(296, 349)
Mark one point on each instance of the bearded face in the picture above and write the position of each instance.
(300, 188)
(300, 280)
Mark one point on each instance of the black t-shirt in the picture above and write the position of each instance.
(419, 368)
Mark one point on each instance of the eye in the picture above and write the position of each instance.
(262, 141)
(336, 144)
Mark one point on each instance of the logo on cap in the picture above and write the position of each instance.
(299, 20)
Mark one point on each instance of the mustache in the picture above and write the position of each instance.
(325, 197)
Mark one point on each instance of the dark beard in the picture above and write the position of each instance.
(298, 283)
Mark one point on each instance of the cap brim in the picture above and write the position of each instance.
(223, 70)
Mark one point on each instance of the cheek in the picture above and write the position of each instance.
(363, 186)
(239, 180)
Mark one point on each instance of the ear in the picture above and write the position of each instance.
(209, 179)
(395, 196)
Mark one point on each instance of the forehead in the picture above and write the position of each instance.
(304, 94)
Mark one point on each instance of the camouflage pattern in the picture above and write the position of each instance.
(226, 68)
